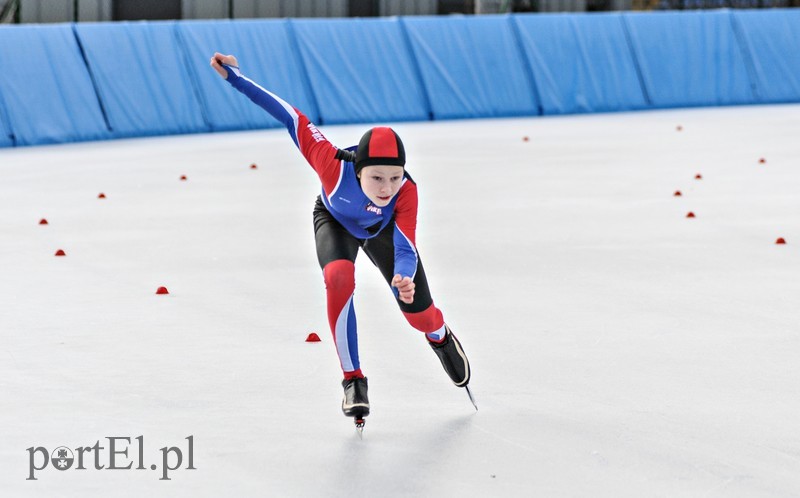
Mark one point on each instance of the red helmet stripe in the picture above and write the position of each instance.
(382, 143)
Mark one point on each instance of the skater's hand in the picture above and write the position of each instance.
(405, 287)
(218, 59)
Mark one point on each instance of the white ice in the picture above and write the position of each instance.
(619, 349)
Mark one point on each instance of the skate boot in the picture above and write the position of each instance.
(453, 359)
(355, 403)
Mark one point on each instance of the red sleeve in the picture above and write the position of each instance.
(406, 210)
(319, 152)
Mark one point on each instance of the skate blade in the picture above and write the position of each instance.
(471, 398)
(360, 422)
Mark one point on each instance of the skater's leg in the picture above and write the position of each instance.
(429, 321)
(336, 252)
(422, 314)
(340, 284)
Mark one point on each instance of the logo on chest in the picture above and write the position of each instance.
(374, 209)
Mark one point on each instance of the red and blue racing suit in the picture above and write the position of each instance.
(344, 220)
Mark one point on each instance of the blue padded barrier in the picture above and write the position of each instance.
(141, 78)
(97, 81)
(46, 92)
(361, 70)
(266, 55)
(772, 41)
(580, 62)
(6, 138)
(689, 59)
(471, 66)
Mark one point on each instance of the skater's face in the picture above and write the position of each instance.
(381, 183)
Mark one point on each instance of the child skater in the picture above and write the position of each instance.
(368, 201)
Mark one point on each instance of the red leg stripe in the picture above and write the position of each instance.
(426, 321)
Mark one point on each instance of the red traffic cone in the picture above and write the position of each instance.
(183, 178)
(162, 290)
(61, 252)
(690, 215)
(762, 161)
(253, 166)
(101, 196)
(780, 240)
(313, 337)
(677, 193)
(698, 176)
(43, 221)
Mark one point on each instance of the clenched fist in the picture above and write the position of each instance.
(405, 286)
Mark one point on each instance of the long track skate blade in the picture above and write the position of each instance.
(360, 422)
(471, 398)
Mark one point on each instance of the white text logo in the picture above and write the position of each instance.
(315, 133)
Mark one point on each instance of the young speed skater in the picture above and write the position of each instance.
(368, 201)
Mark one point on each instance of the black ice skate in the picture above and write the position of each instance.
(355, 402)
(453, 359)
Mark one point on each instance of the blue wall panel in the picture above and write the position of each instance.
(265, 54)
(96, 81)
(141, 78)
(45, 89)
(580, 63)
(5, 129)
(689, 59)
(471, 66)
(772, 41)
(361, 70)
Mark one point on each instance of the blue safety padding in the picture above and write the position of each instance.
(772, 41)
(361, 70)
(6, 139)
(472, 67)
(46, 92)
(580, 62)
(141, 78)
(266, 55)
(689, 59)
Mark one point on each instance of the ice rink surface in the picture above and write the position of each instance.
(618, 348)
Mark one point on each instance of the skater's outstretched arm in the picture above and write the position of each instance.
(322, 155)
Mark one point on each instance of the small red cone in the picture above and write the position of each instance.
(253, 166)
(762, 161)
(313, 337)
(43, 221)
(162, 290)
(780, 240)
(698, 176)
(183, 178)
(101, 196)
(525, 138)
(679, 128)
(61, 252)
(677, 193)
(690, 215)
